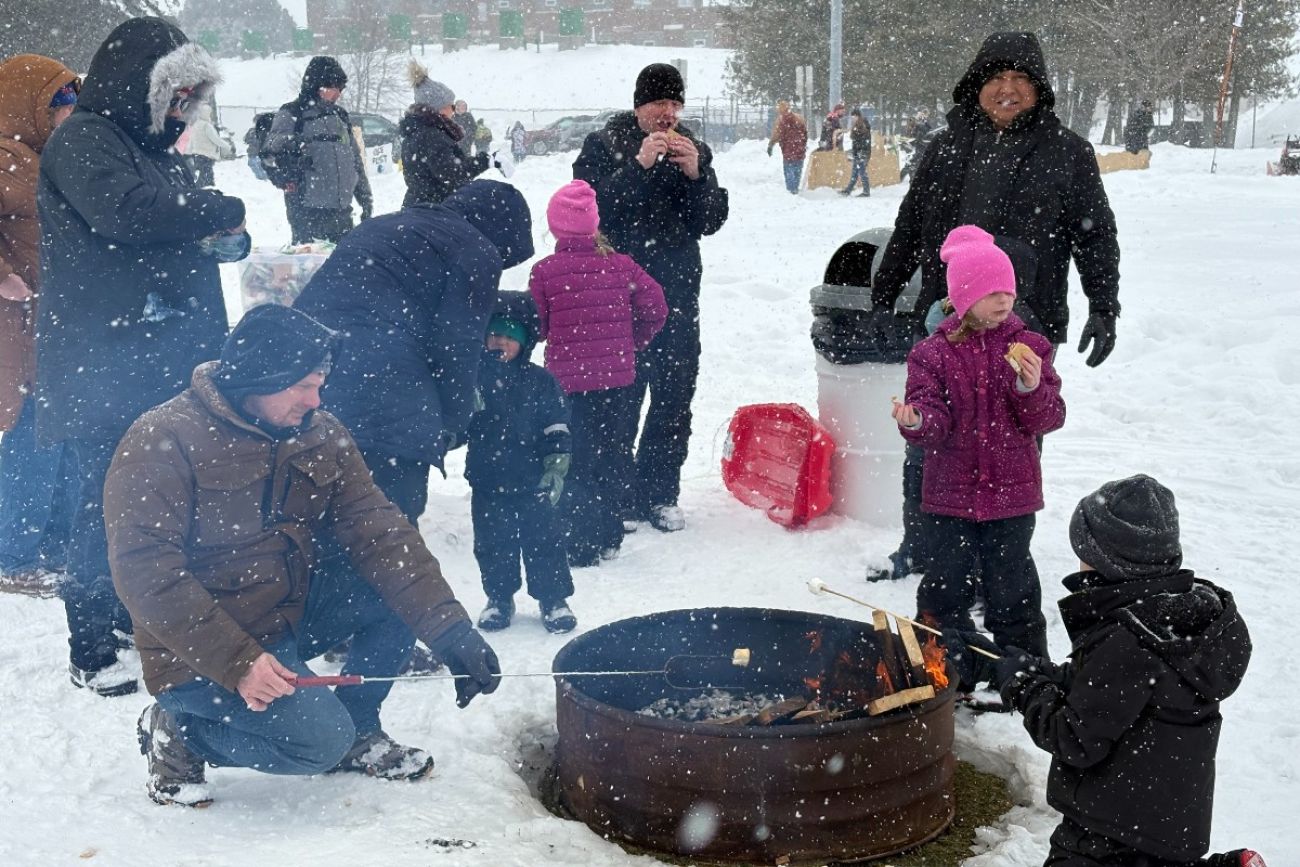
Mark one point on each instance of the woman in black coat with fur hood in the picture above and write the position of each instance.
(432, 160)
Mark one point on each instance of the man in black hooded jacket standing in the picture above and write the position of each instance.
(131, 295)
(658, 195)
(1007, 164)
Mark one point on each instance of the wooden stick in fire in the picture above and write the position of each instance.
(817, 586)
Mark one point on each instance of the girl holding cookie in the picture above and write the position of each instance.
(980, 391)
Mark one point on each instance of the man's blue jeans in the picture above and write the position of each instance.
(310, 731)
(793, 174)
(38, 496)
(859, 171)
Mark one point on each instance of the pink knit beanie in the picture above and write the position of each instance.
(572, 211)
(976, 267)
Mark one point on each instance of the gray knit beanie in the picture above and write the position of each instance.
(428, 92)
(1127, 530)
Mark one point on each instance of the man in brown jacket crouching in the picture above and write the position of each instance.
(247, 537)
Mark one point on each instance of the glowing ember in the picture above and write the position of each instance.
(882, 677)
(935, 656)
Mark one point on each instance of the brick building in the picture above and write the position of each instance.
(640, 22)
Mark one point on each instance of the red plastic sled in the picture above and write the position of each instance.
(778, 458)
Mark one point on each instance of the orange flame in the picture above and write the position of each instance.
(935, 657)
(883, 678)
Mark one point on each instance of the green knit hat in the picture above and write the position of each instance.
(506, 327)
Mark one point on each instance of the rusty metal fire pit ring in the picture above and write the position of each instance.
(850, 790)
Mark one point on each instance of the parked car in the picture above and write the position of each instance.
(565, 134)
(376, 130)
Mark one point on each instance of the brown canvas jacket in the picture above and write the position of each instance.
(27, 84)
(212, 528)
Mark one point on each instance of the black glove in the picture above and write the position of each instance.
(465, 653)
(971, 668)
(1101, 331)
(367, 210)
(1013, 663)
(769, 149)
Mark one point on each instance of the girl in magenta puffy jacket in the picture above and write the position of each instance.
(980, 392)
(597, 310)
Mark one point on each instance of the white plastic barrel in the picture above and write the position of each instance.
(853, 403)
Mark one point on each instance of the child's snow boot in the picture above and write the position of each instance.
(496, 615)
(557, 617)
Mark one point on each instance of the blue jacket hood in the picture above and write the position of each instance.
(498, 211)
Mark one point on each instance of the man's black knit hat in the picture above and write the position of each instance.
(658, 81)
(270, 349)
(322, 71)
(1127, 530)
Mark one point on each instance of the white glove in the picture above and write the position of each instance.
(504, 162)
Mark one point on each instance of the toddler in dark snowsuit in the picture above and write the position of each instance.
(1132, 719)
(518, 454)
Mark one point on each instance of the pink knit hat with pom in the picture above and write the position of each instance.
(976, 267)
(572, 211)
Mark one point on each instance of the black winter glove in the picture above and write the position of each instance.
(467, 655)
(1014, 662)
(367, 210)
(1101, 331)
(971, 668)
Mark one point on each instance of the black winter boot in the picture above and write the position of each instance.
(176, 776)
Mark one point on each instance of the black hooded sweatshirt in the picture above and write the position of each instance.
(1036, 181)
(130, 302)
(1132, 720)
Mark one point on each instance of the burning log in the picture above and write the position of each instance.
(888, 649)
(902, 698)
(915, 658)
(779, 712)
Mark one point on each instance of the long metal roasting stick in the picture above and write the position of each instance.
(817, 586)
(739, 658)
(357, 679)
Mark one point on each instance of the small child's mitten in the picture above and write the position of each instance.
(552, 482)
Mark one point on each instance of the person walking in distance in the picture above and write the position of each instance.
(790, 132)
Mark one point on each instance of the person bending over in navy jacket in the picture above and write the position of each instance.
(518, 455)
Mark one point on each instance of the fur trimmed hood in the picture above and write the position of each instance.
(134, 74)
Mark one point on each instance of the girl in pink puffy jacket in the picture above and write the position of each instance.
(979, 416)
(597, 309)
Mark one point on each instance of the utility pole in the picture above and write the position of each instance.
(836, 77)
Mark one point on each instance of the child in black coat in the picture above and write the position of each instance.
(518, 455)
(1132, 719)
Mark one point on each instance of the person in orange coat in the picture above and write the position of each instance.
(37, 488)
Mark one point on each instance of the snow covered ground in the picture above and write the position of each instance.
(1203, 392)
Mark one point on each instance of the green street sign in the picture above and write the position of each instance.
(512, 23)
(571, 22)
(399, 27)
(455, 25)
(254, 42)
(303, 40)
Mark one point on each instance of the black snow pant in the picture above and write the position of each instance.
(668, 368)
(89, 599)
(508, 525)
(316, 224)
(602, 426)
(1076, 846)
(404, 482)
(993, 556)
